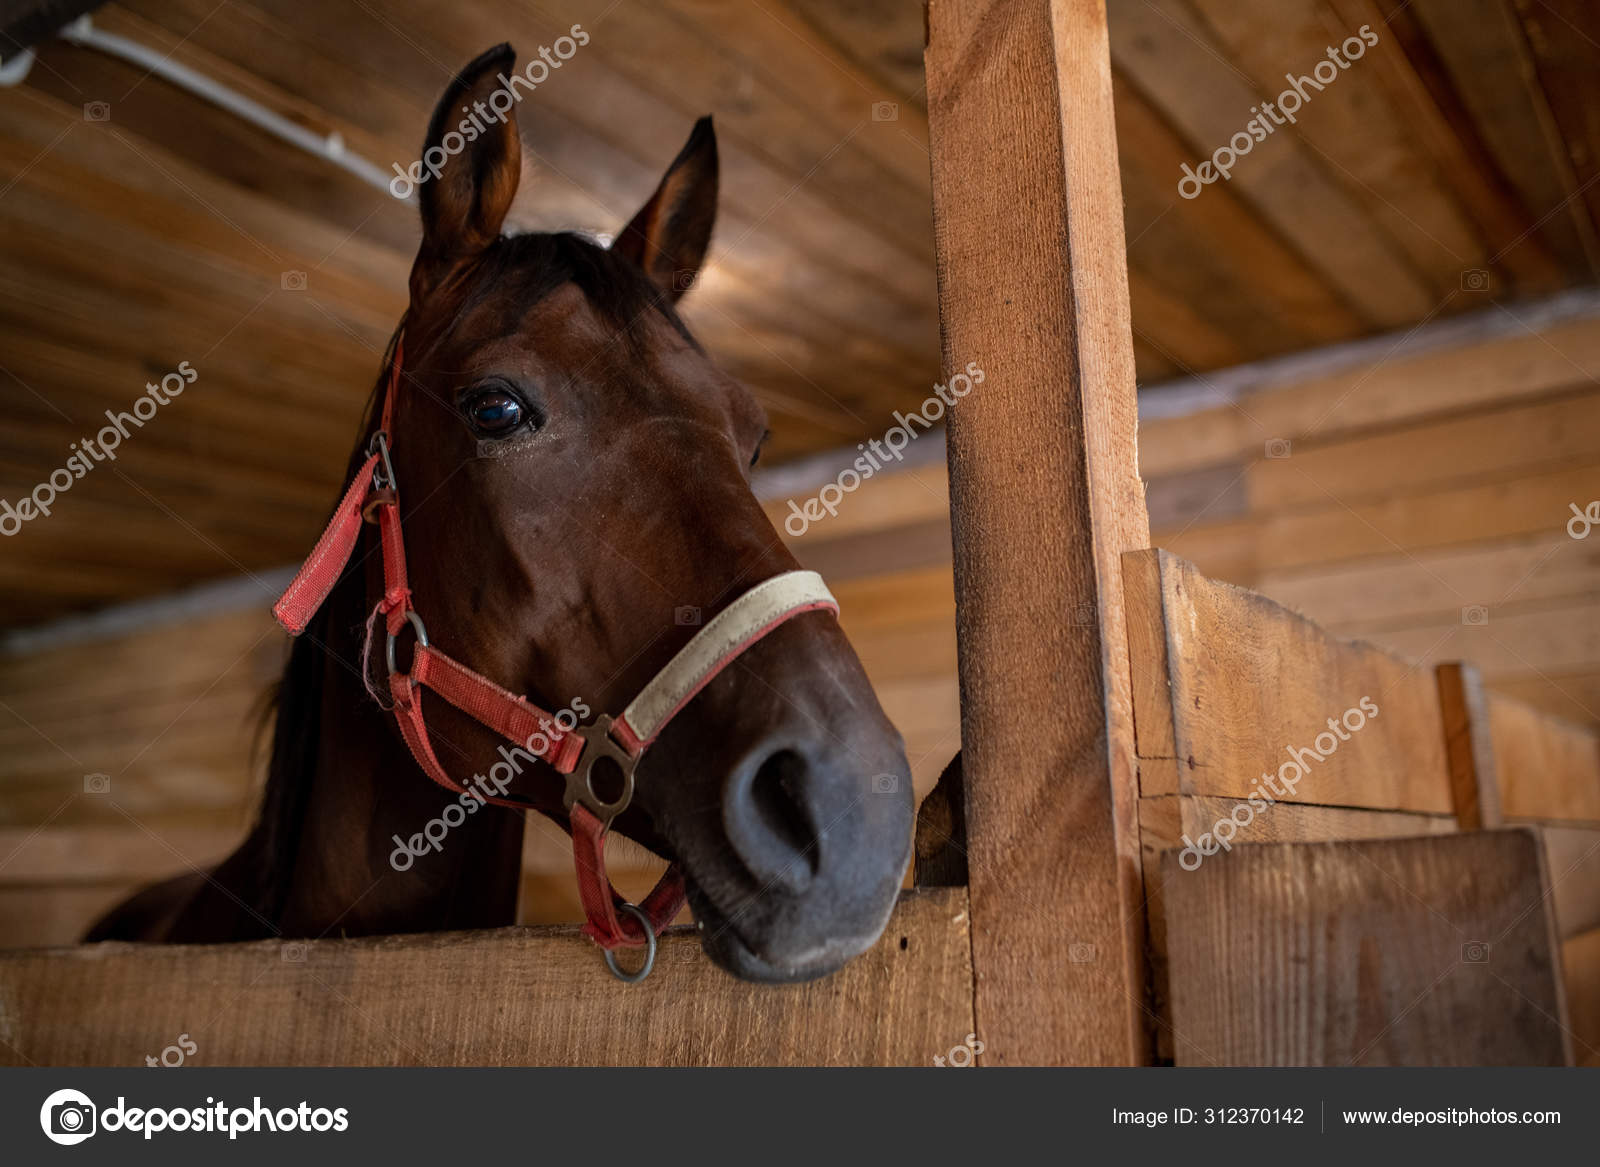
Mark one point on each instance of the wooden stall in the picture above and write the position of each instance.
(1354, 563)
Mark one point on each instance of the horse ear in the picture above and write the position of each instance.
(470, 166)
(669, 236)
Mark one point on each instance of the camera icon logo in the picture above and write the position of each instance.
(97, 111)
(1475, 280)
(682, 280)
(97, 783)
(67, 1117)
(885, 784)
(686, 616)
(1081, 953)
(961, 1056)
(294, 281)
(1278, 447)
(1475, 952)
(1475, 615)
(885, 111)
(294, 951)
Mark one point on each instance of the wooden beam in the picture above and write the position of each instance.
(1468, 747)
(512, 996)
(1238, 697)
(1548, 768)
(1046, 497)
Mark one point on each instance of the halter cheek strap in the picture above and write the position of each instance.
(571, 750)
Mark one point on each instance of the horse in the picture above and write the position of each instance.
(575, 478)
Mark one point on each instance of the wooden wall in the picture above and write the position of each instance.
(1416, 498)
(129, 756)
(1451, 167)
(1418, 486)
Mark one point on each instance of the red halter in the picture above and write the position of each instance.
(571, 751)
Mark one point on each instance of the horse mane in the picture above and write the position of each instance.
(525, 269)
(294, 710)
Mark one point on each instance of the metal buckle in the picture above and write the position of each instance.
(598, 744)
(422, 639)
(383, 475)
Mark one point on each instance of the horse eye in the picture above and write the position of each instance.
(495, 414)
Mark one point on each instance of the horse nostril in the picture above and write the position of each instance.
(769, 827)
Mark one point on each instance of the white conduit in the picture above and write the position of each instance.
(330, 147)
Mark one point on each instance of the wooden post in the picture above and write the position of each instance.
(1474, 786)
(1045, 498)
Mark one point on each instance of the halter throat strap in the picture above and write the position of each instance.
(570, 749)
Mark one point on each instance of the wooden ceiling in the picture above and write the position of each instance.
(1467, 141)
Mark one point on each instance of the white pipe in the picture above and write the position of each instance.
(83, 33)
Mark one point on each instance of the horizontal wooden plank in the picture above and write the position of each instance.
(507, 997)
(1370, 395)
(1548, 769)
(907, 652)
(46, 915)
(129, 853)
(1485, 443)
(895, 599)
(913, 544)
(1572, 694)
(1399, 589)
(55, 880)
(1547, 637)
(1283, 822)
(1520, 505)
(1260, 699)
(1366, 953)
(892, 498)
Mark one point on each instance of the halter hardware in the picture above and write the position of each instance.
(418, 627)
(601, 746)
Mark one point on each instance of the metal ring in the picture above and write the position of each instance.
(634, 978)
(382, 476)
(422, 638)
